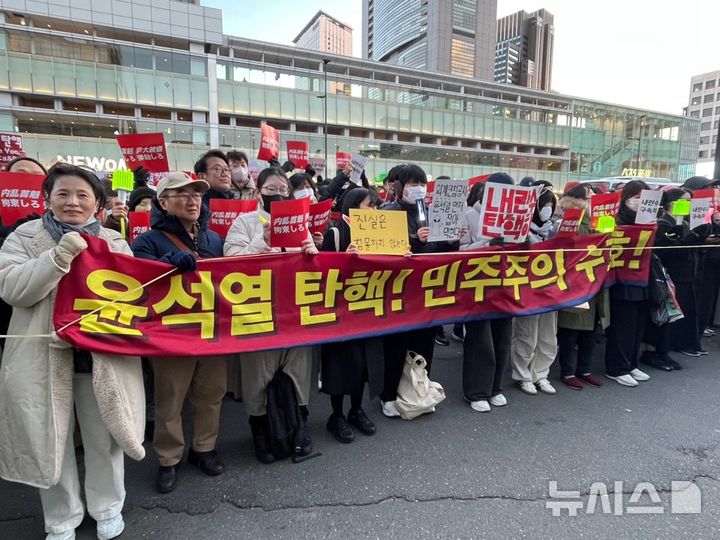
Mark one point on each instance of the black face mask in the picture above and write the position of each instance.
(269, 199)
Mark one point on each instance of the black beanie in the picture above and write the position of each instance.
(501, 178)
(138, 194)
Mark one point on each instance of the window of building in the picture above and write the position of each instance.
(160, 114)
(708, 98)
(79, 106)
(707, 112)
(705, 126)
(702, 154)
(697, 87)
(695, 114)
(704, 140)
(120, 110)
(37, 102)
(185, 116)
(464, 15)
(462, 58)
(710, 84)
(717, 110)
(695, 100)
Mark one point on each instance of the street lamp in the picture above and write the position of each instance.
(639, 145)
(325, 122)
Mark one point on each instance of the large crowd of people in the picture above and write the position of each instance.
(50, 391)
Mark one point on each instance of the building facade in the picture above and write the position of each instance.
(704, 105)
(524, 49)
(325, 33)
(444, 36)
(70, 87)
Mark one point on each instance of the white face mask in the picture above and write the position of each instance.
(303, 193)
(545, 213)
(413, 193)
(633, 204)
(239, 174)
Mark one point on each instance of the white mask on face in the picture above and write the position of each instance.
(413, 193)
(633, 204)
(239, 174)
(545, 213)
(303, 193)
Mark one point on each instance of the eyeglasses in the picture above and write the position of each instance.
(217, 169)
(186, 196)
(271, 190)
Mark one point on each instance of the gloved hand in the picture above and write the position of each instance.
(70, 246)
(183, 261)
(499, 241)
(273, 162)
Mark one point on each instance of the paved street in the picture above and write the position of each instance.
(453, 474)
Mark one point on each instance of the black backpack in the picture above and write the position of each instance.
(286, 428)
(658, 289)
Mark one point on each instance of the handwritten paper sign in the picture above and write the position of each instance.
(572, 217)
(297, 152)
(507, 211)
(20, 196)
(289, 222)
(318, 164)
(144, 150)
(224, 211)
(10, 147)
(269, 143)
(357, 162)
(139, 222)
(320, 215)
(379, 232)
(649, 206)
(604, 204)
(700, 212)
(447, 209)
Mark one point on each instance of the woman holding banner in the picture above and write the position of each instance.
(45, 382)
(250, 234)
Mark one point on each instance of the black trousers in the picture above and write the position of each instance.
(585, 341)
(708, 288)
(685, 333)
(486, 355)
(395, 347)
(624, 335)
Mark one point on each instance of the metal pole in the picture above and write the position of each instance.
(325, 126)
(637, 170)
(716, 174)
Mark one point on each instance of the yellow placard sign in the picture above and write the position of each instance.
(379, 232)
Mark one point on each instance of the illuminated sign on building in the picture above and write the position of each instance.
(94, 162)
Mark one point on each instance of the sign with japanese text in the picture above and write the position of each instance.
(604, 204)
(320, 215)
(289, 223)
(20, 196)
(144, 150)
(649, 206)
(297, 152)
(269, 143)
(138, 223)
(700, 212)
(10, 147)
(224, 211)
(447, 209)
(379, 232)
(571, 219)
(240, 304)
(357, 162)
(507, 211)
(342, 159)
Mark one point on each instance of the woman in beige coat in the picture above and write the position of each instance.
(41, 378)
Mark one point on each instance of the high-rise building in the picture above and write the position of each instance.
(325, 33)
(524, 49)
(704, 105)
(445, 36)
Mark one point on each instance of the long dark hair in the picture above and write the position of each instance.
(353, 198)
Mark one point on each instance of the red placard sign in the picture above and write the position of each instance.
(342, 159)
(10, 147)
(570, 222)
(712, 194)
(289, 223)
(320, 215)
(139, 222)
(298, 152)
(224, 211)
(20, 196)
(144, 150)
(269, 143)
(604, 204)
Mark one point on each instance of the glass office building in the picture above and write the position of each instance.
(69, 87)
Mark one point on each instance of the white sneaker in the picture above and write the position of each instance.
(67, 535)
(545, 387)
(639, 375)
(625, 380)
(389, 409)
(498, 401)
(480, 406)
(110, 528)
(528, 388)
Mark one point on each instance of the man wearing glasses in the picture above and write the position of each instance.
(214, 168)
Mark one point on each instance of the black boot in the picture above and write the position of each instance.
(359, 419)
(259, 429)
(166, 479)
(207, 462)
(341, 430)
(654, 360)
(304, 444)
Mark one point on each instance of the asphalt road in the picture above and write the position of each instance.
(454, 474)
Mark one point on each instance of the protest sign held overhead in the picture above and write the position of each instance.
(224, 211)
(289, 223)
(507, 211)
(447, 209)
(701, 211)
(342, 159)
(649, 206)
(144, 150)
(269, 143)
(604, 204)
(297, 152)
(20, 196)
(379, 232)
(11, 147)
(357, 162)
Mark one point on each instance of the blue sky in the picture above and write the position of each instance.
(633, 52)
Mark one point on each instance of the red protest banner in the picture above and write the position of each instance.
(477, 179)
(342, 159)
(224, 211)
(144, 150)
(604, 204)
(20, 196)
(319, 215)
(290, 299)
(269, 143)
(712, 194)
(289, 222)
(139, 222)
(572, 217)
(507, 211)
(10, 147)
(298, 152)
